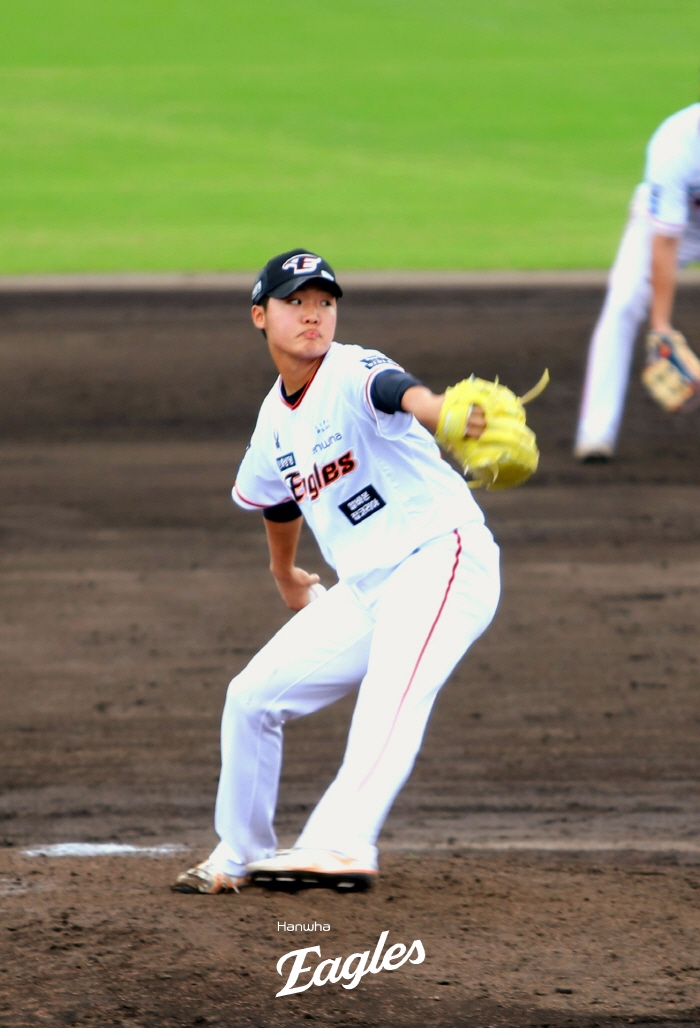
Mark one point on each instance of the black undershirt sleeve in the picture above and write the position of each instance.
(387, 389)
(287, 511)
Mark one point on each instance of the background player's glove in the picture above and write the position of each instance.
(672, 372)
(506, 453)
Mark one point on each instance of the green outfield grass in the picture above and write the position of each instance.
(208, 134)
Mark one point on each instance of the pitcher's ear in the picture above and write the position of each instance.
(259, 316)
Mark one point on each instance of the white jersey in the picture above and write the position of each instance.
(673, 174)
(372, 486)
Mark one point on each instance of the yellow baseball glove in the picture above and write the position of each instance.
(506, 453)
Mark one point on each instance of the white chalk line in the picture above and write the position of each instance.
(101, 849)
(572, 845)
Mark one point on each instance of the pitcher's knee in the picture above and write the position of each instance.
(255, 700)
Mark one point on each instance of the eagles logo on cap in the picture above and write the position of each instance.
(302, 263)
(287, 272)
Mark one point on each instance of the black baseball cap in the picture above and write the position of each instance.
(283, 274)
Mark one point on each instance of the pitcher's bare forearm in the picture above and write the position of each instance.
(282, 541)
(293, 583)
(664, 259)
(426, 405)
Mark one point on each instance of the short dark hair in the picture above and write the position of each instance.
(263, 302)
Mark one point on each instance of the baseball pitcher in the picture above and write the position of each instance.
(345, 439)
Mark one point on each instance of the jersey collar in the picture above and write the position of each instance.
(297, 402)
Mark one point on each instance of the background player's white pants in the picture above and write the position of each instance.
(612, 344)
(610, 353)
(396, 635)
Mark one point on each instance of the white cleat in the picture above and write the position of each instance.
(593, 453)
(206, 878)
(306, 868)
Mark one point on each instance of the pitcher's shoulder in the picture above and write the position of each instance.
(364, 359)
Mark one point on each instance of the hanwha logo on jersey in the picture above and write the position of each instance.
(302, 263)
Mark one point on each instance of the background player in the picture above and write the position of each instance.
(662, 233)
(345, 438)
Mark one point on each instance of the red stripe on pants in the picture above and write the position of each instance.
(417, 664)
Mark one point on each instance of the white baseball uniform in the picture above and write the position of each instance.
(418, 583)
(666, 203)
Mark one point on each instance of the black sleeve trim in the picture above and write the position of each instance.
(287, 511)
(388, 387)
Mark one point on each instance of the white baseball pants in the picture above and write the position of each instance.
(396, 635)
(612, 344)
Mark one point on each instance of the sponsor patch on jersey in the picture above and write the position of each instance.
(374, 362)
(285, 462)
(362, 505)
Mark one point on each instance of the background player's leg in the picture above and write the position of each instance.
(318, 656)
(612, 344)
(431, 610)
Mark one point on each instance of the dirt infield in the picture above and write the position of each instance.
(546, 850)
